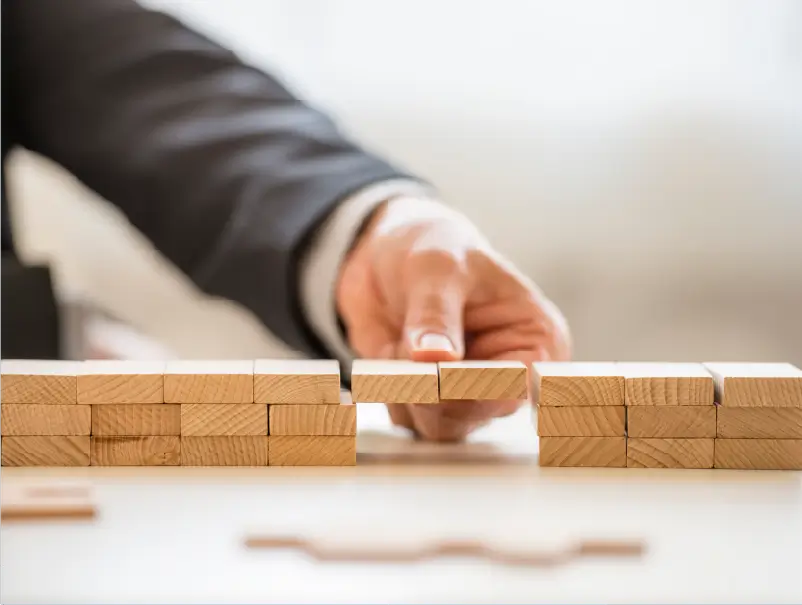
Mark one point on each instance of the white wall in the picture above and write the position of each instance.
(640, 159)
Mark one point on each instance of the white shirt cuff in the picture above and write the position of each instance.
(321, 264)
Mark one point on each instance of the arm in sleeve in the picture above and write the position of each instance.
(215, 162)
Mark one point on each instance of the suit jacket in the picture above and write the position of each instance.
(218, 164)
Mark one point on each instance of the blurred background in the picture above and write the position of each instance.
(642, 161)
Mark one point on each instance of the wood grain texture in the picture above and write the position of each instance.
(313, 420)
(135, 420)
(759, 423)
(576, 421)
(286, 450)
(135, 451)
(238, 450)
(24, 419)
(670, 453)
(220, 419)
(225, 381)
(39, 381)
(691, 422)
(667, 384)
(45, 451)
(759, 454)
(392, 381)
(757, 384)
(599, 452)
(563, 384)
(483, 380)
(107, 381)
(298, 381)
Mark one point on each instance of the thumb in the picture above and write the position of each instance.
(433, 326)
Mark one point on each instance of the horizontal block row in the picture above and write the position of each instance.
(179, 451)
(620, 452)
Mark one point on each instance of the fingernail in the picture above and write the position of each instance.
(435, 342)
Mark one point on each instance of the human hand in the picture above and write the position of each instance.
(423, 283)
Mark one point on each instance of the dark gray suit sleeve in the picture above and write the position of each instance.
(217, 163)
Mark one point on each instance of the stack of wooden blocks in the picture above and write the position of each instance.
(669, 415)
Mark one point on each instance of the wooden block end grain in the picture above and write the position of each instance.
(393, 381)
(225, 381)
(759, 454)
(691, 422)
(45, 451)
(313, 420)
(28, 419)
(668, 384)
(298, 381)
(607, 452)
(759, 423)
(223, 419)
(483, 380)
(757, 384)
(670, 453)
(240, 450)
(133, 420)
(108, 381)
(38, 381)
(286, 450)
(135, 451)
(563, 384)
(576, 421)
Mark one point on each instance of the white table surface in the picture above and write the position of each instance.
(175, 535)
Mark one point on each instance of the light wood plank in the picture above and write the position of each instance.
(110, 381)
(394, 381)
(135, 451)
(59, 450)
(221, 419)
(691, 422)
(583, 451)
(483, 380)
(297, 381)
(133, 420)
(776, 385)
(288, 450)
(670, 453)
(759, 423)
(313, 420)
(563, 384)
(759, 454)
(225, 381)
(667, 384)
(576, 421)
(238, 450)
(28, 419)
(39, 381)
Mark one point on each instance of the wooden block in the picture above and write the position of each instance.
(134, 420)
(759, 454)
(238, 450)
(691, 422)
(288, 450)
(202, 420)
(313, 420)
(226, 381)
(759, 423)
(31, 503)
(583, 451)
(299, 381)
(46, 451)
(24, 419)
(667, 384)
(776, 385)
(135, 451)
(564, 384)
(669, 453)
(38, 381)
(106, 381)
(575, 421)
(483, 380)
(393, 381)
